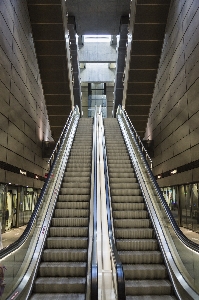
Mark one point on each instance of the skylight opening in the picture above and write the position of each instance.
(97, 38)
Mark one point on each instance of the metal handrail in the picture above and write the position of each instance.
(94, 261)
(7, 250)
(59, 142)
(117, 262)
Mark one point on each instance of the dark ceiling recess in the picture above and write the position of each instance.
(49, 37)
(98, 17)
(147, 41)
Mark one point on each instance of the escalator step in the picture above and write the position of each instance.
(59, 296)
(67, 255)
(60, 285)
(67, 243)
(148, 287)
(62, 269)
(144, 271)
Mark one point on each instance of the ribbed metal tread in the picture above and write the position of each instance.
(67, 242)
(141, 257)
(62, 269)
(144, 271)
(73, 205)
(60, 285)
(137, 244)
(57, 255)
(70, 222)
(148, 287)
(152, 297)
(59, 296)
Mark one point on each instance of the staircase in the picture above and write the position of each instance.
(63, 268)
(146, 276)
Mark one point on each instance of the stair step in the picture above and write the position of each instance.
(126, 192)
(69, 222)
(144, 271)
(137, 244)
(73, 205)
(70, 212)
(62, 269)
(137, 233)
(60, 285)
(152, 297)
(132, 223)
(140, 257)
(69, 231)
(75, 184)
(75, 191)
(148, 287)
(71, 198)
(58, 296)
(127, 206)
(130, 214)
(63, 255)
(66, 242)
(131, 198)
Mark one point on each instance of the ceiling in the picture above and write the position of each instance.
(98, 17)
(95, 17)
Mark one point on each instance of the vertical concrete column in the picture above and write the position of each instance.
(74, 61)
(120, 65)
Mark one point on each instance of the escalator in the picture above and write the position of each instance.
(146, 276)
(63, 268)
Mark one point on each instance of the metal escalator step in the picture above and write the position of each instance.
(131, 198)
(122, 175)
(63, 255)
(130, 214)
(58, 296)
(77, 173)
(69, 222)
(137, 233)
(62, 269)
(76, 184)
(125, 192)
(128, 206)
(137, 244)
(76, 179)
(64, 213)
(141, 257)
(135, 224)
(152, 297)
(70, 198)
(69, 231)
(148, 287)
(122, 180)
(74, 205)
(67, 242)
(75, 191)
(124, 185)
(145, 271)
(60, 285)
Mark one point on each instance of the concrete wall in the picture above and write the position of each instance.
(23, 116)
(174, 114)
(97, 52)
(97, 72)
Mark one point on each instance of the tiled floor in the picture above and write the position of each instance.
(11, 236)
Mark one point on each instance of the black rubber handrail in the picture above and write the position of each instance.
(12, 247)
(94, 263)
(121, 295)
(189, 243)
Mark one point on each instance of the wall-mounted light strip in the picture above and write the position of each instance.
(180, 169)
